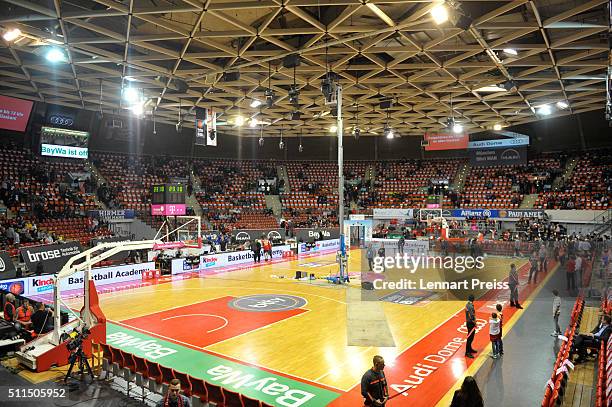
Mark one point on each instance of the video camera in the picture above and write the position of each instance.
(74, 340)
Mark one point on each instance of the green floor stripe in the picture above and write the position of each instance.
(250, 381)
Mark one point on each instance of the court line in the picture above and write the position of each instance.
(173, 308)
(261, 327)
(231, 358)
(197, 315)
(484, 355)
(236, 288)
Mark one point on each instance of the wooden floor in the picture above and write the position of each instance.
(310, 346)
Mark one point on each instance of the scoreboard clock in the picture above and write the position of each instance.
(168, 194)
(175, 194)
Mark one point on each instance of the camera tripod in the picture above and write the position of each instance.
(78, 356)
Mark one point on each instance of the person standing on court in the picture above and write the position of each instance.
(370, 256)
(513, 283)
(400, 245)
(578, 268)
(374, 388)
(533, 268)
(556, 312)
(570, 273)
(470, 324)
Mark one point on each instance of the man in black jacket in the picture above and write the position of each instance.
(374, 387)
(600, 334)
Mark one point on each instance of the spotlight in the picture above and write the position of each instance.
(137, 109)
(253, 123)
(239, 121)
(55, 55)
(261, 141)
(296, 115)
(562, 105)
(333, 128)
(11, 35)
(270, 96)
(255, 103)
(281, 145)
(328, 87)
(294, 95)
(544, 110)
(457, 128)
(510, 51)
(497, 126)
(356, 133)
(388, 132)
(130, 95)
(300, 148)
(439, 14)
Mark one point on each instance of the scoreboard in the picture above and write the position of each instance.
(168, 194)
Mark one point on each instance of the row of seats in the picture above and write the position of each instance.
(603, 395)
(154, 377)
(555, 388)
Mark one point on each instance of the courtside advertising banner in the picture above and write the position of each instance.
(14, 113)
(310, 235)
(244, 235)
(446, 141)
(320, 246)
(101, 276)
(227, 259)
(7, 267)
(411, 247)
(52, 257)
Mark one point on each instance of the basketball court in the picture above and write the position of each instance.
(247, 328)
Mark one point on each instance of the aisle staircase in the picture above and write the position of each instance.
(559, 182)
(529, 201)
(460, 177)
(281, 172)
(273, 202)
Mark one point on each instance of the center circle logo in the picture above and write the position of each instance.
(267, 303)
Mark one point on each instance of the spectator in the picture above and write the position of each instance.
(570, 273)
(10, 313)
(42, 319)
(469, 394)
(599, 334)
(24, 313)
(173, 397)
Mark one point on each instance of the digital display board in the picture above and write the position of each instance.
(168, 194)
(56, 142)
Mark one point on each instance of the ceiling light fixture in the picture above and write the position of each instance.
(510, 51)
(253, 123)
(562, 104)
(239, 121)
(11, 35)
(255, 103)
(457, 128)
(388, 132)
(333, 128)
(494, 88)
(497, 126)
(544, 110)
(130, 95)
(55, 54)
(137, 109)
(439, 13)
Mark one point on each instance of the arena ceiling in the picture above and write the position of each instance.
(175, 52)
